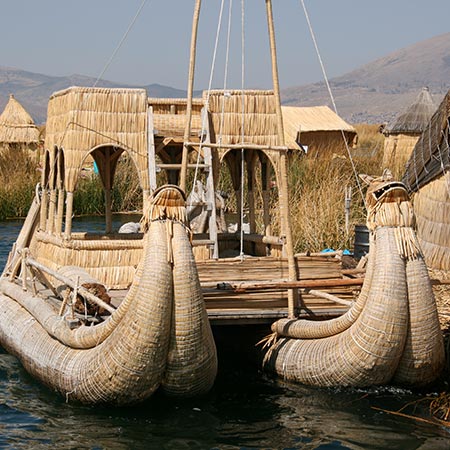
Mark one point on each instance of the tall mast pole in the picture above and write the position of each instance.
(190, 90)
(284, 189)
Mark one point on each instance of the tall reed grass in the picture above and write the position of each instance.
(19, 175)
(317, 191)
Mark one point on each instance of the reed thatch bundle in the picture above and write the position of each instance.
(80, 119)
(235, 114)
(427, 177)
(16, 125)
(169, 116)
(392, 332)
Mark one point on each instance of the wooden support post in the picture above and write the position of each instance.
(60, 211)
(69, 212)
(151, 155)
(293, 295)
(265, 175)
(107, 181)
(44, 209)
(51, 211)
(190, 90)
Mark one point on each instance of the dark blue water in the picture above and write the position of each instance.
(245, 410)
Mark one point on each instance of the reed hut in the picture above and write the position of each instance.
(17, 128)
(403, 134)
(427, 176)
(318, 130)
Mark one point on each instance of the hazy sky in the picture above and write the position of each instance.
(61, 37)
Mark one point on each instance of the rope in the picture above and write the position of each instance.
(332, 99)
(208, 94)
(241, 251)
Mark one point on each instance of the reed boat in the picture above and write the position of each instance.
(391, 333)
(111, 317)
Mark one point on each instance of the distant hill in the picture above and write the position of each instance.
(33, 90)
(377, 92)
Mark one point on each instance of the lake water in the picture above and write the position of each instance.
(245, 410)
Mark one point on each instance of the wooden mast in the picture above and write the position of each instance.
(283, 192)
(190, 89)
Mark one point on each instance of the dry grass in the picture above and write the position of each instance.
(18, 178)
(317, 190)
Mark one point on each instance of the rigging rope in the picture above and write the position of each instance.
(332, 98)
(206, 105)
(241, 251)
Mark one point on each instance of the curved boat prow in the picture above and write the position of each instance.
(160, 333)
(391, 333)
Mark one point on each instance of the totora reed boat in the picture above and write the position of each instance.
(108, 317)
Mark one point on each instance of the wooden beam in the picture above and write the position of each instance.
(289, 284)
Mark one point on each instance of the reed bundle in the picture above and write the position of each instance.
(391, 333)
(16, 125)
(159, 335)
(250, 113)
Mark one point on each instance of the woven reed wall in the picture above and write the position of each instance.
(326, 142)
(112, 262)
(80, 119)
(431, 151)
(432, 207)
(260, 124)
(169, 116)
(397, 150)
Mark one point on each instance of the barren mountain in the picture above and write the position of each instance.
(33, 89)
(374, 93)
(377, 92)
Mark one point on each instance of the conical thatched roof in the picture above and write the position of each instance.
(416, 117)
(16, 125)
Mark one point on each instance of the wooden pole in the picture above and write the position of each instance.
(190, 90)
(283, 191)
(69, 211)
(108, 202)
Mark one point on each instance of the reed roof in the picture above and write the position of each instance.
(299, 120)
(237, 114)
(416, 117)
(430, 156)
(16, 125)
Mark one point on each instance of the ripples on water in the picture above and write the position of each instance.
(245, 410)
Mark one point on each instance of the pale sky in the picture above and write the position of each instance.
(60, 37)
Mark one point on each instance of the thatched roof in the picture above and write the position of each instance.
(430, 156)
(299, 120)
(250, 113)
(416, 117)
(16, 125)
